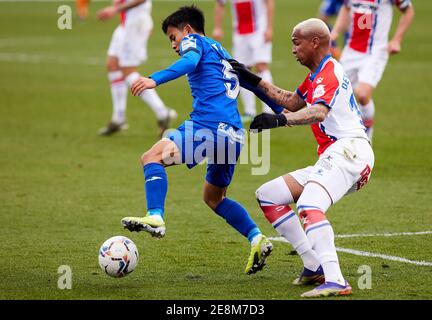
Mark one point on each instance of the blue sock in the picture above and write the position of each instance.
(156, 187)
(237, 216)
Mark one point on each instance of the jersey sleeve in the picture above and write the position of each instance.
(347, 3)
(191, 43)
(190, 57)
(325, 89)
(402, 4)
(302, 89)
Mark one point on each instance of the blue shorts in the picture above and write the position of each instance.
(331, 7)
(219, 143)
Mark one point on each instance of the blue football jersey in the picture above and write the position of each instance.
(213, 84)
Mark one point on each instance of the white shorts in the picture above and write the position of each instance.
(251, 49)
(129, 43)
(344, 167)
(362, 67)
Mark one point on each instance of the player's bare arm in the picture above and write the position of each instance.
(268, 35)
(287, 99)
(219, 11)
(313, 114)
(342, 23)
(405, 21)
(117, 7)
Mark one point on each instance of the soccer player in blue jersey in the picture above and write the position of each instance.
(214, 121)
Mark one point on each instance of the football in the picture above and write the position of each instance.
(118, 256)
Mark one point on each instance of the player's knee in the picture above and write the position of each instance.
(261, 67)
(263, 191)
(363, 97)
(112, 64)
(211, 201)
(147, 157)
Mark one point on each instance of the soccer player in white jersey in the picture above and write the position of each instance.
(367, 48)
(127, 50)
(325, 100)
(252, 42)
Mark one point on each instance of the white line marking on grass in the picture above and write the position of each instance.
(371, 254)
(383, 256)
(360, 235)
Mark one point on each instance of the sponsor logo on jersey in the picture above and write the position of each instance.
(319, 91)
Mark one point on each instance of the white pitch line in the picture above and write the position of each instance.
(371, 254)
(383, 256)
(360, 235)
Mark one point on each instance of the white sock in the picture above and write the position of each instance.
(321, 237)
(150, 97)
(248, 99)
(267, 76)
(119, 96)
(368, 113)
(274, 194)
(292, 230)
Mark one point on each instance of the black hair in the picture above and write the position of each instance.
(185, 15)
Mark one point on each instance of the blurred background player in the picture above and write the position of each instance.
(367, 48)
(82, 7)
(127, 50)
(252, 42)
(328, 10)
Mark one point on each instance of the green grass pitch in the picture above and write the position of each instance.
(63, 189)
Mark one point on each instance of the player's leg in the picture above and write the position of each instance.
(369, 75)
(134, 53)
(263, 70)
(274, 198)
(164, 115)
(313, 203)
(238, 218)
(82, 8)
(363, 93)
(242, 53)
(261, 52)
(164, 153)
(118, 86)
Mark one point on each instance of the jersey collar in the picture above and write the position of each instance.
(320, 66)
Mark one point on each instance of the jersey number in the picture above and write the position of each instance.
(231, 92)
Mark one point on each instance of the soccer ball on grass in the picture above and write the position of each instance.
(118, 256)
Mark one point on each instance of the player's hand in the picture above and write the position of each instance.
(217, 34)
(394, 47)
(244, 73)
(268, 121)
(142, 84)
(268, 35)
(107, 13)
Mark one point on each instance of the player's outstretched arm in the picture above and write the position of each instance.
(286, 99)
(313, 114)
(405, 21)
(219, 11)
(342, 22)
(117, 7)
